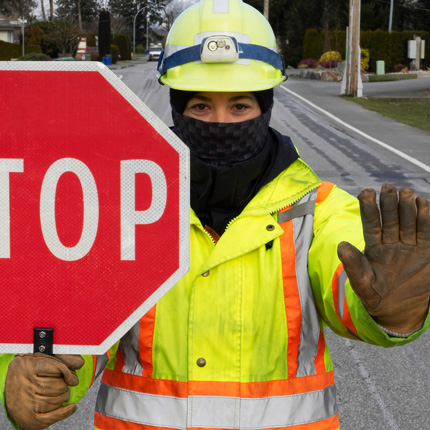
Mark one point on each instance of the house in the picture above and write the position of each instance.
(9, 32)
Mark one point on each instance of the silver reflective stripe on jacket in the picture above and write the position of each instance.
(225, 412)
(216, 411)
(102, 360)
(302, 216)
(129, 345)
(341, 281)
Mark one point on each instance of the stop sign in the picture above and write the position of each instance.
(94, 206)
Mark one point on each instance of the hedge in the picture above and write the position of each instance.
(389, 47)
(124, 45)
(13, 50)
(114, 51)
(312, 44)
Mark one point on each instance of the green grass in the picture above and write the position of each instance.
(414, 112)
(390, 77)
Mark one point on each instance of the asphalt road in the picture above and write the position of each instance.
(377, 389)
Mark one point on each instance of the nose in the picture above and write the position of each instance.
(220, 115)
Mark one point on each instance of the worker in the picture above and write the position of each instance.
(276, 256)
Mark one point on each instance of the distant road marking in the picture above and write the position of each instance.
(120, 76)
(389, 419)
(356, 130)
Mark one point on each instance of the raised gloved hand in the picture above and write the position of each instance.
(392, 276)
(37, 385)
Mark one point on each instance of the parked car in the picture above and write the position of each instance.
(154, 53)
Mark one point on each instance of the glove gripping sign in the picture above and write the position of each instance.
(94, 208)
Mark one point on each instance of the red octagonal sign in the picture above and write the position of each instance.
(94, 206)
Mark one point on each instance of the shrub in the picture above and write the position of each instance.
(312, 44)
(389, 47)
(114, 51)
(34, 35)
(331, 56)
(35, 56)
(307, 63)
(9, 50)
(398, 67)
(140, 49)
(91, 39)
(329, 64)
(336, 40)
(380, 49)
(365, 56)
(124, 46)
(38, 34)
(13, 50)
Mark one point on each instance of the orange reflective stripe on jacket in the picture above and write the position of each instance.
(130, 397)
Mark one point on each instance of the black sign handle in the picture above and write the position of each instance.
(43, 340)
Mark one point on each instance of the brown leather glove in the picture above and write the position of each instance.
(392, 277)
(37, 385)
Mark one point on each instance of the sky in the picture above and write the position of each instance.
(182, 4)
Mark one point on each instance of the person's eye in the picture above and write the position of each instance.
(239, 107)
(199, 107)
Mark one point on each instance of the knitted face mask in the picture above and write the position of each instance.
(223, 144)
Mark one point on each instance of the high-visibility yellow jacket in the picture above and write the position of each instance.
(238, 342)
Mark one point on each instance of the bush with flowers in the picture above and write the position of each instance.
(330, 56)
(365, 57)
(308, 63)
(329, 64)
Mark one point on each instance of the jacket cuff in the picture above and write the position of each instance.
(5, 360)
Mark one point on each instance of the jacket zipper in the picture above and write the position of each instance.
(277, 209)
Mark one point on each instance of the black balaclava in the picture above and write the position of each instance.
(222, 144)
(230, 162)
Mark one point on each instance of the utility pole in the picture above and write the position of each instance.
(134, 31)
(352, 84)
(390, 25)
(266, 9)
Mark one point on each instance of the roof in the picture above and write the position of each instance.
(5, 23)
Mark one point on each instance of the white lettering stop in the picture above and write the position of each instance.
(129, 216)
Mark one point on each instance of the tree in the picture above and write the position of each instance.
(42, 4)
(174, 9)
(37, 34)
(104, 33)
(65, 35)
(153, 12)
(82, 12)
(422, 15)
(19, 8)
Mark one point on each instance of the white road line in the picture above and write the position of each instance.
(389, 419)
(356, 130)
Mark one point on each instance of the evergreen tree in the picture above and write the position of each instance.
(104, 33)
(422, 15)
(81, 11)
